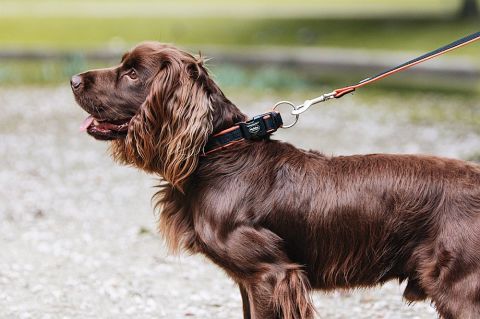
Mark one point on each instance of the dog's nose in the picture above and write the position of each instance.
(76, 81)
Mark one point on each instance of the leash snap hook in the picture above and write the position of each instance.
(294, 108)
(306, 105)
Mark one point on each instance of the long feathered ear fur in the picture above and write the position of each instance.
(170, 131)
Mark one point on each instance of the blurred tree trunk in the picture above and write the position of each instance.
(469, 9)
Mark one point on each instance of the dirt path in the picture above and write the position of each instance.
(77, 233)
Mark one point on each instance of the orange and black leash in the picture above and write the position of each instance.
(338, 93)
(431, 55)
(261, 126)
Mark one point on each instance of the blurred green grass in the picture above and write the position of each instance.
(370, 24)
(417, 34)
(78, 27)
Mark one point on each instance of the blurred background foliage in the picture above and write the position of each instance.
(45, 42)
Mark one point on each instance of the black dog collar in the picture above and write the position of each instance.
(257, 128)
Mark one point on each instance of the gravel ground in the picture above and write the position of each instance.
(77, 232)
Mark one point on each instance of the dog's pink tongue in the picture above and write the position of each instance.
(86, 123)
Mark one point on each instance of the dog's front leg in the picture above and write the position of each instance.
(245, 302)
(254, 257)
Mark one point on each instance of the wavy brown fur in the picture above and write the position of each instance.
(169, 132)
(282, 221)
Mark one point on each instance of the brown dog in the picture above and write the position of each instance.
(282, 221)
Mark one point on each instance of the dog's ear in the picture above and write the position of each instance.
(175, 120)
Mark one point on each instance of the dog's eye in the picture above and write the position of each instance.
(132, 74)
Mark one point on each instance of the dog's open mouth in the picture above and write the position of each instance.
(105, 129)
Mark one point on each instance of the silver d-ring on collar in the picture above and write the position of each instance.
(293, 109)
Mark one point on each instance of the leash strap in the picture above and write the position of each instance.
(257, 128)
(430, 55)
(338, 93)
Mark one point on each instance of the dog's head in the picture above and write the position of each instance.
(155, 107)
